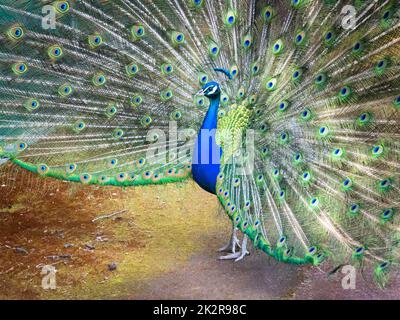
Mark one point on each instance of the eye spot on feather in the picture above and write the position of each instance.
(255, 69)
(234, 71)
(354, 209)
(297, 158)
(260, 178)
(337, 153)
(329, 38)
(147, 175)
(297, 3)
(20, 146)
(95, 40)
(396, 102)
(112, 163)
(230, 18)
(263, 127)
(71, 168)
(357, 48)
(381, 66)
(177, 38)
(99, 79)
(176, 115)
(65, 90)
(196, 3)
(136, 100)
(16, 32)
(377, 151)
(167, 68)
(131, 176)
(137, 32)
(282, 106)
(55, 52)
(31, 104)
(347, 184)
(42, 169)
(118, 134)
(323, 132)
(121, 177)
(314, 202)
(247, 41)
(111, 110)
(364, 119)
(271, 84)
(214, 50)
(62, 7)
(320, 80)
(299, 39)
(297, 75)
(277, 47)
(141, 162)
(237, 220)
(385, 185)
(19, 68)
(268, 14)
(85, 178)
(166, 95)
(312, 250)
(104, 179)
(79, 126)
(132, 69)
(146, 121)
(306, 115)
(284, 137)
(387, 214)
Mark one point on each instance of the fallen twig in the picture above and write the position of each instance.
(105, 216)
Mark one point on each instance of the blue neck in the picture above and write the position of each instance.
(211, 119)
(205, 172)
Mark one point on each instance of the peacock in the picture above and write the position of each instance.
(287, 111)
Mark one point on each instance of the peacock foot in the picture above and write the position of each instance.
(237, 255)
(233, 242)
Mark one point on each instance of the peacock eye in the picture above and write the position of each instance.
(62, 6)
(137, 32)
(71, 168)
(95, 41)
(268, 14)
(99, 79)
(19, 68)
(197, 2)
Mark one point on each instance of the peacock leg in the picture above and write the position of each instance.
(233, 242)
(243, 252)
(238, 255)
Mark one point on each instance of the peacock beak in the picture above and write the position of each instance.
(200, 93)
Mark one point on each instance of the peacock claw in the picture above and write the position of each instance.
(231, 245)
(238, 255)
(231, 256)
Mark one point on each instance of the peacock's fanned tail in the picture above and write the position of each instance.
(308, 122)
(322, 180)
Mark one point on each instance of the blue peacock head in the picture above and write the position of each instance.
(212, 89)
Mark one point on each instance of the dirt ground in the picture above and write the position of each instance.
(161, 239)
